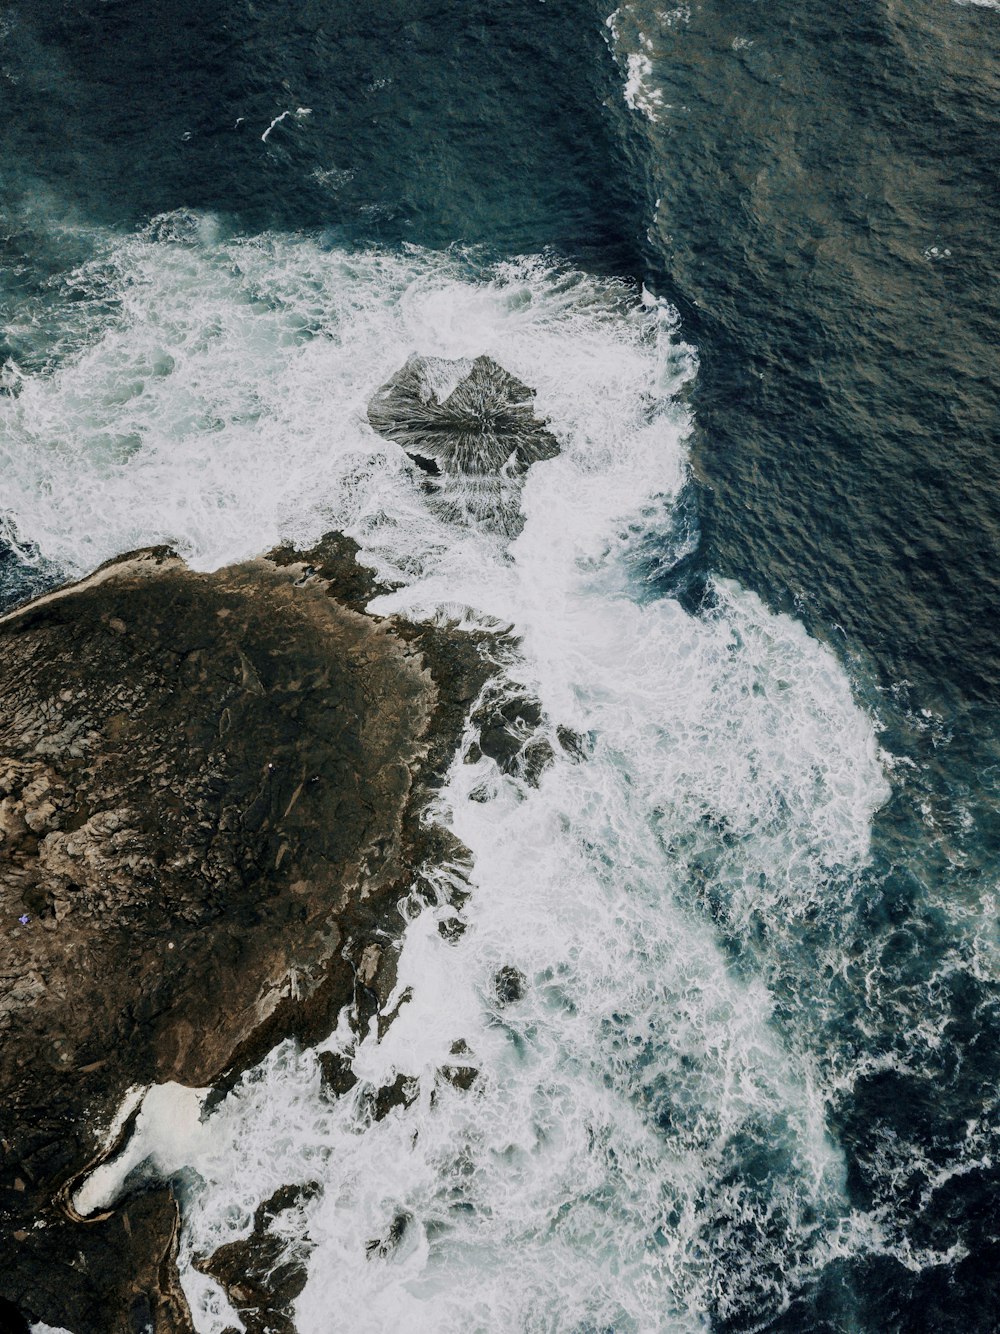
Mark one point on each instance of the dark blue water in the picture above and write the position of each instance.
(826, 215)
(815, 189)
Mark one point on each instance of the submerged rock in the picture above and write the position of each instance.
(381, 1248)
(209, 797)
(402, 1092)
(511, 732)
(470, 427)
(509, 984)
(461, 1073)
(337, 1075)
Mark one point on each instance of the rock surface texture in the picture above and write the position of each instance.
(470, 427)
(209, 791)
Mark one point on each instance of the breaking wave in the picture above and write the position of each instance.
(640, 1137)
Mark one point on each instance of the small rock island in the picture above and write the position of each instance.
(470, 426)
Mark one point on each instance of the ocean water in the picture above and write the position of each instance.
(747, 258)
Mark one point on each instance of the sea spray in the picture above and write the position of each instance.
(643, 1145)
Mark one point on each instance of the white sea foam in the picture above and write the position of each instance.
(641, 92)
(299, 113)
(644, 1144)
(167, 1125)
(633, 48)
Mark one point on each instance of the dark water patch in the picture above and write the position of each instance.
(881, 1293)
(828, 220)
(37, 251)
(23, 574)
(888, 978)
(401, 121)
(664, 551)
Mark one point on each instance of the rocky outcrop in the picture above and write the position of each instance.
(209, 791)
(264, 1273)
(470, 427)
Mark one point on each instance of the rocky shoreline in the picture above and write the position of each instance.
(211, 788)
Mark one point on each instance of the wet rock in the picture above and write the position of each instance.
(451, 928)
(337, 1075)
(510, 733)
(210, 791)
(262, 1274)
(116, 1275)
(465, 416)
(504, 726)
(534, 759)
(380, 1248)
(333, 560)
(572, 743)
(470, 428)
(387, 1017)
(509, 984)
(460, 1074)
(400, 1093)
(482, 793)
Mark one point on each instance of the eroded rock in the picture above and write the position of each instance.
(510, 984)
(511, 732)
(470, 427)
(461, 1073)
(382, 1248)
(263, 1273)
(209, 790)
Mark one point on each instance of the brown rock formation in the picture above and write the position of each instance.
(208, 792)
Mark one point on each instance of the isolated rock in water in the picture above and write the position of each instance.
(210, 788)
(465, 416)
(511, 732)
(470, 426)
(510, 984)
